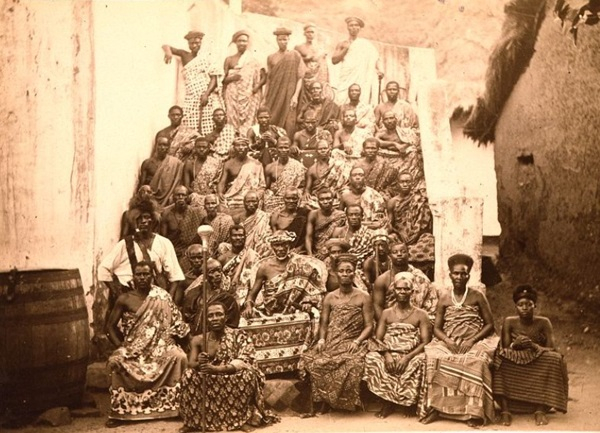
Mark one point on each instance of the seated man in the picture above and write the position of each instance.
(161, 171)
(396, 104)
(238, 261)
(257, 225)
(424, 295)
(530, 376)
(326, 111)
(222, 135)
(219, 221)
(218, 290)
(234, 386)
(240, 174)
(263, 137)
(372, 202)
(128, 223)
(292, 286)
(179, 223)
(395, 367)
(379, 173)
(335, 364)
(201, 172)
(349, 139)
(459, 380)
(116, 268)
(307, 137)
(365, 118)
(411, 221)
(356, 233)
(291, 218)
(326, 172)
(280, 175)
(321, 223)
(180, 137)
(379, 262)
(147, 366)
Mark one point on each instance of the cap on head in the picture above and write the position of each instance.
(281, 237)
(460, 259)
(282, 31)
(357, 20)
(338, 242)
(524, 291)
(346, 258)
(405, 276)
(193, 34)
(239, 33)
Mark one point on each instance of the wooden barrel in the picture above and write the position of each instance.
(44, 340)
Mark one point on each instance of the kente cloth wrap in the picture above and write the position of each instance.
(241, 269)
(223, 142)
(291, 176)
(193, 303)
(206, 176)
(406, 389)
(358, 66)
(335, 373)
(196, 76)
(529, 378)
(365, 115)
(323, 231)
(334, 177)
(166, 178)
(241, 103)
(282, 77)
(424, 294)
(232, 400)
(459, 385)
(146, 369)
(412, 221)
(250, 177)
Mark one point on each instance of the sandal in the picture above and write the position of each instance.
(112, 423)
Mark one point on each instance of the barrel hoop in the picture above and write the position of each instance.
(43, 276)
(41, 296)
(45, 318)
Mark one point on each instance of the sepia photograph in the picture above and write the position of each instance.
(299, 216)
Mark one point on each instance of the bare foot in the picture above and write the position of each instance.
(112, 423)
(385, 411)
(475, 422)
(540, 418)
(430, 417)
(505, 418)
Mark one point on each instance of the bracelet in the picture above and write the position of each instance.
(357, 342)
(249, 302)
(321, 341)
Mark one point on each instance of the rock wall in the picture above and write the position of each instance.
(547, 152)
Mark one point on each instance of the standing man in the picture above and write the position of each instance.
(309, 50)
(200, 74)
(284, 70)
(358, 62)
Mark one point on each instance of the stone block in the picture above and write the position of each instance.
(55, 417)
(97, 376)
(283, 394)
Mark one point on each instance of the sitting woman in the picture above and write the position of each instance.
(530, 375)
(394, 369)
(234, 386)
(459, 380)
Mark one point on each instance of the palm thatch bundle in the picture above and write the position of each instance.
(508, 60)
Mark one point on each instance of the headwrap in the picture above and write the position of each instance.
(524, 291)
(404, 276)
(281, 236)
(380, 238)
(342, 243)
(282, 31)
(306, 26)
(460, 259)
(239, 33)
(241, 139)
(346, 258)
(193, 34)
(360, 22)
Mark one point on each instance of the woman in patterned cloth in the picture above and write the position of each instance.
(234, 389)
(395, 367)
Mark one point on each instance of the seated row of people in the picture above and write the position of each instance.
(457, 375)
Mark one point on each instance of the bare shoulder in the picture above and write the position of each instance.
(542, 321)
(364, 296)
(197, 341)
(421, 315)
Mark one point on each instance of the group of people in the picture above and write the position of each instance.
(319, 260)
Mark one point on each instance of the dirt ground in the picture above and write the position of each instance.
(578, 337)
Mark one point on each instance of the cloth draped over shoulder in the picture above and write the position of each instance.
(412, 221)
(167, 177)
(258, 230)
(241, 103)
(335, 373)
(424, 294)
(231, 400)
(196, 77)
(292, 176)
(146, 369)
(282, 77)
(459, 385)
(250, 177)
(205, 179)
(241, 269)
(358, 66)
